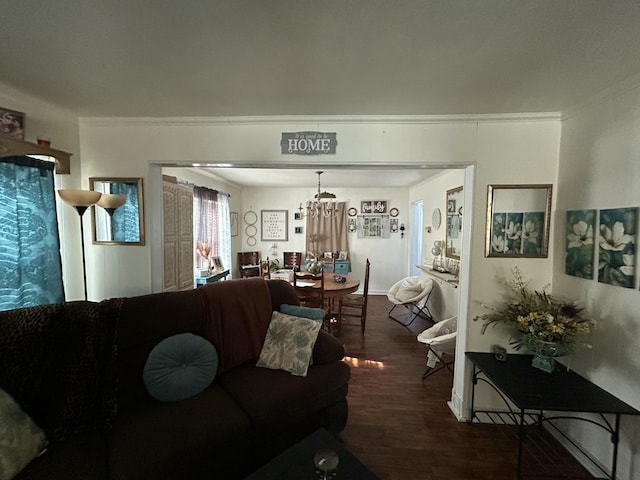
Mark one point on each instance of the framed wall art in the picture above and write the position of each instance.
(12, 123)
(274, 225)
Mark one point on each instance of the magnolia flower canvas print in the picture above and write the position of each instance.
(579, 243)
(616, 262)
(513, 233)
(498, 228)
(532, 233)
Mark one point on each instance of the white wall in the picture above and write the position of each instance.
(433, 192)
(599, 169)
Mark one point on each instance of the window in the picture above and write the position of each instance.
(212, 225)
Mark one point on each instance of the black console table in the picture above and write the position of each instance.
(543, 397)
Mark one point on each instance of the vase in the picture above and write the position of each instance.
(544, 354)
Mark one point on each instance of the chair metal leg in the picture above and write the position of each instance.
(420, 310)
(442, 364)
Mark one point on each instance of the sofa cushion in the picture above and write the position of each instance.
(20, 439)
(187, 439)
(289, 343)
(274, 399)
(83, 456)
(180, 367)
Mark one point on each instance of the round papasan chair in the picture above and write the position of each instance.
(412, 293)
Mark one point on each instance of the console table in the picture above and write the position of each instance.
(214, 277)
(534, 392)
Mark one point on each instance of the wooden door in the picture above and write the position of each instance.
(178, 237)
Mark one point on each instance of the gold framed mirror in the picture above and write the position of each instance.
(118, 217)
(453, 234)
(518, 219)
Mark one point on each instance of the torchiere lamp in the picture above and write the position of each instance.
(81, 200)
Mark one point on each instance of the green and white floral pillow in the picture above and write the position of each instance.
(289, 344)
(20, 438)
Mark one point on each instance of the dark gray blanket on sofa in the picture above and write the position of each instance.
(59, 363)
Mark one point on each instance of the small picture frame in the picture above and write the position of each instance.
(328, 255)
(12, 123)
(216, 264)
(297, 216)
(298, 230)
(342, 255)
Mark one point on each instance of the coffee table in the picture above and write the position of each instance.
(297, 462)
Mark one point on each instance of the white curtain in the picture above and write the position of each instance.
(224, 232)
(211, 225)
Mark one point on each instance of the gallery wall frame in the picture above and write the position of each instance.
(274, 225)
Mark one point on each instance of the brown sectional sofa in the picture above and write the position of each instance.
(242, 420)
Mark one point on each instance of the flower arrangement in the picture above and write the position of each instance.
(537, 317)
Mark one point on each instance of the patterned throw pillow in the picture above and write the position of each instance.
(20, 438)
(289, 344)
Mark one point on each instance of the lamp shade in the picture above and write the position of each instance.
(79, 198)
(109, 200)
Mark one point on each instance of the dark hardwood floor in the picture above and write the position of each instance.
(402, 429)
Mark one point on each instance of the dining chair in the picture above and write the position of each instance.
(292, 260)
(355, 305)
(309, 288)
(249, 264)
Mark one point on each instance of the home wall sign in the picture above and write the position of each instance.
(308, 143)
(373, 206)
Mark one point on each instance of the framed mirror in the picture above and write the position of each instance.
(118, 218)
(453, 235)
(518, 218)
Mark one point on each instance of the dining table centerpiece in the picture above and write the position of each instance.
(549, 327)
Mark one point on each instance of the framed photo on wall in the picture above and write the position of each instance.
(12, 123)
(275, 226)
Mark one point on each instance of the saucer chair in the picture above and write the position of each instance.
(441, 343)
(413, 294)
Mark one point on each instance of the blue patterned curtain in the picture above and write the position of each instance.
(125, 222)
(30, 265)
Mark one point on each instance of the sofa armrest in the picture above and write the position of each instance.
(327, 349)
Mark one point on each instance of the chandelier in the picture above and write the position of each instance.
(322, 205)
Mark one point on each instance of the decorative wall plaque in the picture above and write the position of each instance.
(308, 143)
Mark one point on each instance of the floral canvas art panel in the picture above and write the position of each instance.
(513, 233)
(532, 233)
(498, 227)
(616, 261)
(580, 248)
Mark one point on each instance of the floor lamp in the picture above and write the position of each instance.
(81, 200)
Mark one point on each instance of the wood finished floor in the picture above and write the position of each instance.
(402, 429)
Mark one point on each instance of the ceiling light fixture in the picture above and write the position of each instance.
(319, 207)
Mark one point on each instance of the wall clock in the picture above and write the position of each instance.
(436, 218)
(394, 212)
(352, 212)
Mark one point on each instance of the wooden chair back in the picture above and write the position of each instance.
(249, 264)
(355, 305)
(292, 260)
(309, 295)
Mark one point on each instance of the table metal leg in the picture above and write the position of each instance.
(521, 433)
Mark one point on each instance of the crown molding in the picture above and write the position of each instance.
(604, 96)
(318, 120)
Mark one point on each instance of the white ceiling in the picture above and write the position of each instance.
(316, 57)
(331, 177)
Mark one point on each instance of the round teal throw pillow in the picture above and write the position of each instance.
(180, 367)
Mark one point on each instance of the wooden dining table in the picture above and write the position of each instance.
(334, 290)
